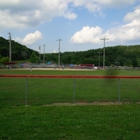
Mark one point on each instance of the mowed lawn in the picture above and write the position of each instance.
(71, 72)
(40, 120)
(120, 122)
(42, 91)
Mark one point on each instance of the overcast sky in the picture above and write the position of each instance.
(79, 23)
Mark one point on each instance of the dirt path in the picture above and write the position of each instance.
(86, 104)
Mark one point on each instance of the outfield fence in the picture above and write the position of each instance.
(47, 89)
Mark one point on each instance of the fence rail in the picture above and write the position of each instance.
(17, 89)
(66, 76)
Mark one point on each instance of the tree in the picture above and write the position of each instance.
(125, 55)
(134, 63)
(4, 59)
(33, 58)
(19, 52)
(66, 59)
(138, 60)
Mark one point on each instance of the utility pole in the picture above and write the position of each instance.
(59, 53)
(104, 51)
(10, 54)
(44, 54)
(99, 59)
(39, 52)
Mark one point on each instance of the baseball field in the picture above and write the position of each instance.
(69, 108)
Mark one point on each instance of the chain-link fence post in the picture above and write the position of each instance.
(119, 85)
(74, 88)
(26, 90)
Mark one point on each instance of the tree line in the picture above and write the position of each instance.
(18, 51)
(114, 55)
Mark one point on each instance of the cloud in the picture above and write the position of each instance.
(22, 14)
(124, 33)
(13, 21)
(87, 35)
(93, 7)
(96, 6)
(116, 3)
(133, 15)
(30, 38)
(129, 31)
(119, 34)
(55, 51)
(70, 15)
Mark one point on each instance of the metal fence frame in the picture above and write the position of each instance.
(68, 76)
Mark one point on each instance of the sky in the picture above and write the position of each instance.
(80, 24)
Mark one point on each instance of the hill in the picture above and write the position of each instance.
(114, 55)
(19, 52)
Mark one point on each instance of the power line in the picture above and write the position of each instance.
(104, 51)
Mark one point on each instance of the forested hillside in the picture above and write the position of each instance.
(114, 55)
(19, 52)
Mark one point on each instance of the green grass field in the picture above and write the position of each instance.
(71, 72)
(71, 122)
(42, 91)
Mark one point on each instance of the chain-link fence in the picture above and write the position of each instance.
(44, 90)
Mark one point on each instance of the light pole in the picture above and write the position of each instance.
(104, 51)
(59, 52)
(44, 54)
(10, 54)
(99, 59)
(39, 53)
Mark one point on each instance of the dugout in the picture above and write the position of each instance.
(10, 64)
